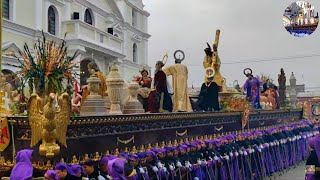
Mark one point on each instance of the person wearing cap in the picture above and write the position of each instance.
(160, 99)
(142, 168)
(131, 173)
(209, 96)
(103, 164)
(91, 171)
(313, 161)
(77, 170)
(64, 172)
(51, 175)
(145, 87)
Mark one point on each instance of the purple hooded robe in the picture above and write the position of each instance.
(23, 170)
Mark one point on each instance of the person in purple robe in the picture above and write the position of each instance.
(51, 175)
(64, 172)
(116, 169)
(76, 170)
(23, 170)
(252, 89)
(103, 164)
(313, 161)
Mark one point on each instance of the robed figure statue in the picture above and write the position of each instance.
(252, 89)
(282, 87)
(145, 87)
(209, 96)
(179, 73)
(212, 60)
(160, 99)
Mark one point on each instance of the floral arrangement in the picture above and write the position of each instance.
(49, 69)
(237, 103)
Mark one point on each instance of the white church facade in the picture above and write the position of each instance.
(104, 31)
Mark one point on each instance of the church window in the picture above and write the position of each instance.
(52, 20)
(135, 53)
(88, 17)
(6, 9)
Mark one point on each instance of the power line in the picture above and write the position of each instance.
(267, 59)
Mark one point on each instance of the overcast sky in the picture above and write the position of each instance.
(250, 30)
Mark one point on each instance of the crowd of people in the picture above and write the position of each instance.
(247, 155)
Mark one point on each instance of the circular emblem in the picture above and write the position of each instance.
(179, 59)
(209, 72)
(315, 109)
(247, 71)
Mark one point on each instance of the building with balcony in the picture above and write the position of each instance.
(105, 31)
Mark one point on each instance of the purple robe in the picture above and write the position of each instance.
(252, 87)
(23, 170)
(52, 174)
(116, 168)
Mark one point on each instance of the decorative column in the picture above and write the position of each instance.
(94, 105)
(133, 105)
(115, 84)
(293, 92)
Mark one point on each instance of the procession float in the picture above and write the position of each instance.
(108, 124)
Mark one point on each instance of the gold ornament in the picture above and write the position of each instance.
(163, 144)
(74, 160)
(49, 123)
(86, 157)
(97, 156)
(142, 149)
(116, 152)
(175, 143)
(134, 150)
(126, 150)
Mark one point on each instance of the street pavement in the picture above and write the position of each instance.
(296, 173)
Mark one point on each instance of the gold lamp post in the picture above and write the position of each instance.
(1, 35)
(2, 94)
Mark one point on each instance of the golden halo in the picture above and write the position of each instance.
(209, 72)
